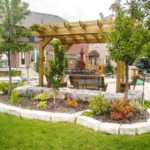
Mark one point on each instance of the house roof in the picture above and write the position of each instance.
(93, 53)
(40, 18)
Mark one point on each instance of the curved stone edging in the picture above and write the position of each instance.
(109, 128)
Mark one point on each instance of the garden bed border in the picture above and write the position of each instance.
(109, 128)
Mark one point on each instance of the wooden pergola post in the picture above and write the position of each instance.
(41, 51)
(120, 75)
(42, 44)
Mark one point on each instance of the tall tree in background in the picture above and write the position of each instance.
(146, 46)
(13, 35)
(127, 37)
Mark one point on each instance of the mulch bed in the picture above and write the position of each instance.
(139, 116)
(59, 106)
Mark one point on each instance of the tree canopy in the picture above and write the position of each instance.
(127, 35)
(13, 34)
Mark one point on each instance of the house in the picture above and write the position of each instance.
(98, 55)
(22, 59)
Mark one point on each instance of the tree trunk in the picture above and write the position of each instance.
(126, 81)
(9, 72)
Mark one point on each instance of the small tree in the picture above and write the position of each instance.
(57, 66)
(127, 41)
(12, 34)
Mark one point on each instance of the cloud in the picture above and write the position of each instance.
(72, 10)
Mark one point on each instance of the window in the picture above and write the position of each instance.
(34, 55)
(22, 58)
(51, 55)
(33, 39)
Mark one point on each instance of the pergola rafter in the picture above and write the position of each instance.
(70, 33)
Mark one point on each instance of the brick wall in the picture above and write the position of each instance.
(72, 54)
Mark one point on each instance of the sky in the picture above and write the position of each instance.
(72, 10)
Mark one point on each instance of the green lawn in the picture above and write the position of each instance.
(21, 134)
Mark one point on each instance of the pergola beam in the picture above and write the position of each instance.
(83, 25)
(74, 31)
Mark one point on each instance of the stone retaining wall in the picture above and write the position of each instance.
(78, 94)
(109, 128)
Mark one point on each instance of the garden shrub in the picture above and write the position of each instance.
(87, 113)
(41, 104)
(137, 105)
(42, 97)
(98, 105)
(28, 95)
(14, 73)
(14, 97)
(4, 87)
(146, 105)
(121, 110)
(20, 84)
(71, 103)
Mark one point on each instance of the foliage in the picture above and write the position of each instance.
(41, 104)
(109, 68)
(37, 65)
(14, 73)
(87, 113)
(42, 97)
(4, 87)
(12, 33)
(146, 105)
(56, 67)
(29, 95)
(98, 105)
(137, 105)
(127, 35)
(66, 62)
(121, 110)
(20, 84)
(71, 103)
(142, 63)
(34, 27)
(14, 97)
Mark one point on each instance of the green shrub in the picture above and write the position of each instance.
(146, 105)
(87, 113)
(4, 87)
(98, 105)
(14, 97)
(42, 96)
(28, 95)
(136, 105)
(20, 84)
(41, 104)
(14, 73)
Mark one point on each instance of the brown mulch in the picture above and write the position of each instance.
(138, 116)
(59, 106)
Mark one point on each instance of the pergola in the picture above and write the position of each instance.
(73, 33)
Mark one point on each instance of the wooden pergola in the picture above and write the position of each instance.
(72, 33)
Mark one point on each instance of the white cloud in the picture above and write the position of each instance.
(72, 10)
